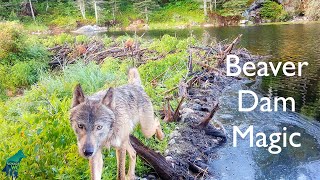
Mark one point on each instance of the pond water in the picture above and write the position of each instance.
(285, 43)
(296, 42)
(245, 162)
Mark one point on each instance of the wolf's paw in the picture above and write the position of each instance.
(131, 177)
(159, 134)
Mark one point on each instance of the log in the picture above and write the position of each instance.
(164, 170)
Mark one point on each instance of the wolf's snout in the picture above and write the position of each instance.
(88, 150)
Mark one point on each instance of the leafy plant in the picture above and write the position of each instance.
(272, 10)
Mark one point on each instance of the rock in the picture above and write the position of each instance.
(197, 101)
(171, 142)
(90, 29)
(151, 177)
(174, 134)
(196, 107)
(244, 21)
(166, 152)
(208, 25)
(186, 111)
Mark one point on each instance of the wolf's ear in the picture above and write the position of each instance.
(108, 99)
(78, 96)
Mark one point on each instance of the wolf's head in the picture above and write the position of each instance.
(91, 120)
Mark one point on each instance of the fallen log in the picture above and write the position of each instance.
(164, 170)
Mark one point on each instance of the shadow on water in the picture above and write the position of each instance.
(245, 162)
(298, 42)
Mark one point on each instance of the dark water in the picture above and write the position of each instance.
(285, 43)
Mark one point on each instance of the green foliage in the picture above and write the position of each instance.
(38, 122)
(179, 12)
(22, 58)
(168, 43)
(273, 11)
(165, 45)
(11, 38)
(145, 7)
(234, 7)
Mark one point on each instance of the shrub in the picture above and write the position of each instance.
(11, 38)
(165, 45)
(273, 11)
(180, 11)
(234, 7)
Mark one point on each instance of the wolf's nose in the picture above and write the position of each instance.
(88, 152)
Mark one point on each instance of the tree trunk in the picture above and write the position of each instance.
(205, 7)
(47, 7)
(114, 10)
(146, 12)
(82, 7)
(31, 9)
(96, 11)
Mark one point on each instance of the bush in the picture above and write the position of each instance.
(12, 38)
(180, 11)
(273, 11)
(22, 58)
(165, 45)
(234, 7)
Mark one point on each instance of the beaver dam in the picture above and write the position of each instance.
(200, 146)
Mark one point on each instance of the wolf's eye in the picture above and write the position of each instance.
(80, 126)
(99, 127)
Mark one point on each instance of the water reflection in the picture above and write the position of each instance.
(285, 43)
(245, 162)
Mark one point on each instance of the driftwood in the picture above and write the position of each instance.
(223, 54)
(156, 160)
(214, 69)
(207, 119)
(169, 114)
(96, 51)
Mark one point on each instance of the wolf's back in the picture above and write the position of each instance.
(134, 77)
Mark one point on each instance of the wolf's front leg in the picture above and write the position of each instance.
(96, 165)
(121, 163)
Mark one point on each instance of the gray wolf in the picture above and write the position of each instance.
(107, 118)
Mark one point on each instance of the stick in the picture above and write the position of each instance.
(206, 120)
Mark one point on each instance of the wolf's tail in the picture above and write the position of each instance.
(134, 77)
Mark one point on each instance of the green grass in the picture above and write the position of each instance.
(38, 121)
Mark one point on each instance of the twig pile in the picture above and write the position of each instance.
(96, 51)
